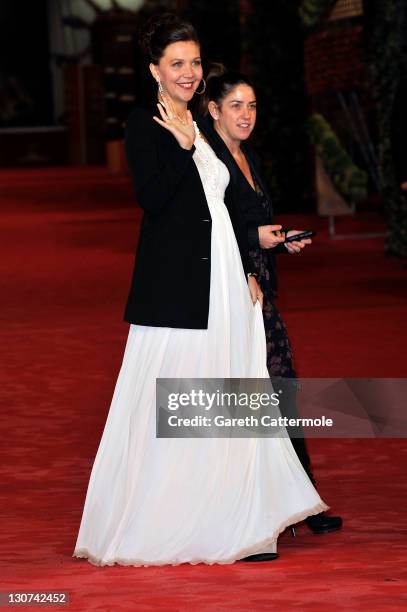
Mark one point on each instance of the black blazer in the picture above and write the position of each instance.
(171, 279)
(240, 194)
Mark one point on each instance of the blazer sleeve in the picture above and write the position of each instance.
(244, 253)
(240, 228)
(241, 237)
(253, 235)
(156, 170)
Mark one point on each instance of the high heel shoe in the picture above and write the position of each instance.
(261, 557)
(322, 523)
(269, 554)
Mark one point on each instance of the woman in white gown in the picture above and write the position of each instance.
(153, 501)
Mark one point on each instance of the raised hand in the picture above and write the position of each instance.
(183, 131)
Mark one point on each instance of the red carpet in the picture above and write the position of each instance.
(67, 254)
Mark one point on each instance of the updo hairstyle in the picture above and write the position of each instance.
(162, 30)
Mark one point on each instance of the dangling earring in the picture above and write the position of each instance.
(204, 88)
(160, 88)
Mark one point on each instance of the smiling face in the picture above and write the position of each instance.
(235, 117)
(179, 70)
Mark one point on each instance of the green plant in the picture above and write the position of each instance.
(350, 180)
(313, 12)
(385, 26)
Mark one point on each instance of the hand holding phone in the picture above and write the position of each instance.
(301, 236)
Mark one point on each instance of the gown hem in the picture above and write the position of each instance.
(83, 553)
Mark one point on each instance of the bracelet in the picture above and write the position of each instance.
(254, 274)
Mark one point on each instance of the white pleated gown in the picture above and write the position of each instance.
(211, 500)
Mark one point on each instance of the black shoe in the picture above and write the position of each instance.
(261, 557)
(322, 523)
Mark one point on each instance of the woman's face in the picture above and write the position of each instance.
(235, 117)
(179, 70)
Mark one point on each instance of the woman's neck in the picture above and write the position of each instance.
(181, 111)
(232, 144)
(179, 108)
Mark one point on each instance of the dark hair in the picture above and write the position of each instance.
(162, 30)
(219, 84)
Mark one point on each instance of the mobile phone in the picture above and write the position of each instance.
(302, 236)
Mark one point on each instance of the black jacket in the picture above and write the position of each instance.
(241, 195)
(171, 278)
